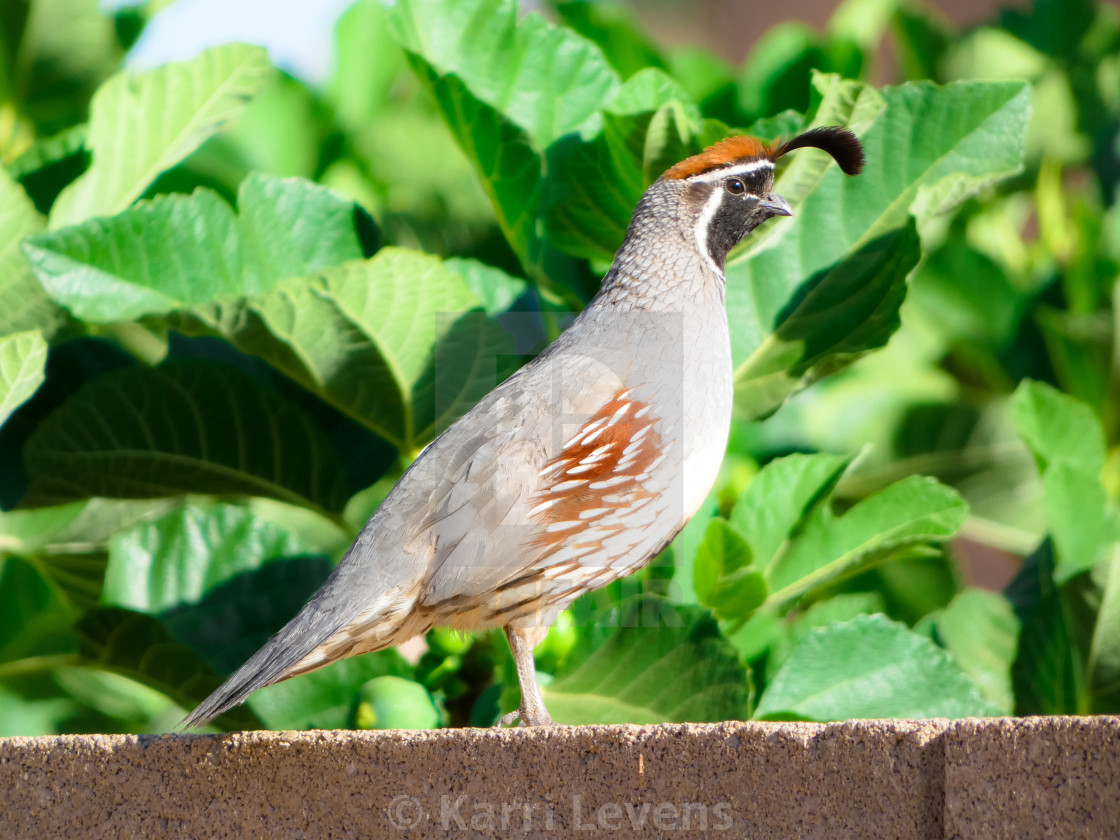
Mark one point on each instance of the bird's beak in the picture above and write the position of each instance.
(777, 205)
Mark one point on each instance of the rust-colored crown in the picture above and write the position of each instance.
(841, 144)
(726, 152)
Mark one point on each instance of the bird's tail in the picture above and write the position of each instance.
(279, 659)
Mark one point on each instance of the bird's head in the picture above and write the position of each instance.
(728, 189)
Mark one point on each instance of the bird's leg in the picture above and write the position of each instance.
(532, 711)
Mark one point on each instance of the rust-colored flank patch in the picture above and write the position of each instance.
(732, 150)
(599, 474)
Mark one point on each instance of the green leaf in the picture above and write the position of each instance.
(631, 669)
(327, 698)
(598, 184)
(869, 667)
(724, 583)
(1068, 444)
(911, 512)
(509, 168)
(68, 544)
(548, 81)
(34, 620)
(396, 703)
(845, 312)
(507, 89)
(1058, 428)
(221, 580)
(23, 303)
(981, 631)
(1048, 673)
(180, 251)
(67, 48)
(928, 148)
(184, 427)
(842, 607)
(495, 290)
(23, 361)
(178, 558)
(366, 62)
(1103, 662)
(136, 646)
(608, 25)
(776, 502)
(394, 342)
(142, 124)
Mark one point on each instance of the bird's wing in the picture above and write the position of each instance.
(544, 503)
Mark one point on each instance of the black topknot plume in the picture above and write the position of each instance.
(844, 146)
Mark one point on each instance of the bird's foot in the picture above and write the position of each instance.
(525, 717)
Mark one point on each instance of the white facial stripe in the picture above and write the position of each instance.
(728, 171)
(710, 208)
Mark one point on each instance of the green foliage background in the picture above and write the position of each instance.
(233, 308)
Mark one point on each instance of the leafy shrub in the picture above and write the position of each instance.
(233, 309)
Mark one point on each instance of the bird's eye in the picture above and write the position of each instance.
(735, 186)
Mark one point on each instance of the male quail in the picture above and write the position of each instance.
(576, 470)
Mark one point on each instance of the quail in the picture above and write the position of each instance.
(579, 468)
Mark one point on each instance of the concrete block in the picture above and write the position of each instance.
(1041, 777)
(996, 778)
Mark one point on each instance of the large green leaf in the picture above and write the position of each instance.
(136, 646)
(928, 148)
(142, 124)
(178, 558)
(598, 183)
(845, 311)
(218, 578)
(23, 303)
(23, 359)
(981, 631)
(870, 667)
(394, 341)
(181, 251)
(909, 513)
(184, 427)
(1068, 444)
(546, 80)
(506, 103)
(676, 667)
(779, 498)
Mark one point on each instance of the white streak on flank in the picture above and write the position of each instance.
(598, 454)
(642, 412)
(608, 482)
(591, 438)
(632, 449)
(565, 486)
(580, 469)
(541, 508)
(729, 171)
(639, 434)
(591, 513)
(618, 415)
(625, 395)
(561, 526)
(551, 468)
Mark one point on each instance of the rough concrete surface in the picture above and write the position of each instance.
(1041, 777)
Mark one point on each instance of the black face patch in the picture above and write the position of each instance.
(738, 213)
